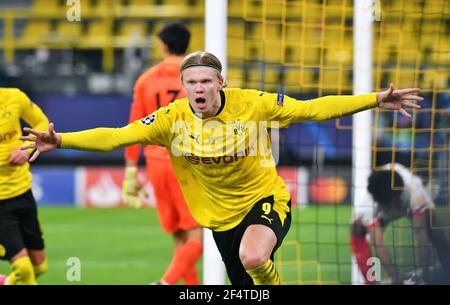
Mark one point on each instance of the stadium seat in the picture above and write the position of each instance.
(198, 36)
(273, 51)
(67, 34)
(297, 79)
(98, 33)
(71, 29)
(131, 33)
(235, 77)
(140, 2)
(236, 30)
(34, 33)
(46, 7)
(236, 48)
(333, 79)
(272, 80)
(252, 10)
(235, 8)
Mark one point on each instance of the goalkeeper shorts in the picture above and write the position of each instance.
(172, 209)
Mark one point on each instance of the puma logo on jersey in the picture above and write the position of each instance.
(269, 219)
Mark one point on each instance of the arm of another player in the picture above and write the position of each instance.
(377, 235)
(420, 225)
(33, 116)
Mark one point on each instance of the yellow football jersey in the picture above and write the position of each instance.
(224, 163)
(15, 105)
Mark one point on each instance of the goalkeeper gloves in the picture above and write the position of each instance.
(131, 188)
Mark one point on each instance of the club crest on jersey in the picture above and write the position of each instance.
(238, 128)
(148, 120)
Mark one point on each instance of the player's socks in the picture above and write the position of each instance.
(184, 258)
(41, 268)
(22, 272)
(265, 275)
(191, 276)
(361, 249)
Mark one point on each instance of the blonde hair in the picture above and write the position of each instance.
(202, 59)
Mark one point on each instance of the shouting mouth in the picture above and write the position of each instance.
(200, 102)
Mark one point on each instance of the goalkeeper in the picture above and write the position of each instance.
(229, 181)
(155, 88)
(385, 205)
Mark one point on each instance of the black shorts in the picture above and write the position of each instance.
(228, 242)
(19, 225)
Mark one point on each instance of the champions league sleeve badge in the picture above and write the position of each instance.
(148, 120)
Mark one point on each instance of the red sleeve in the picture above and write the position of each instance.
(376, 222)
(137, 112)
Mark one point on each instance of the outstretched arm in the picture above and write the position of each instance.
(287, 110)
(97, 139)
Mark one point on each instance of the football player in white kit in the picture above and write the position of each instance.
(390, 196)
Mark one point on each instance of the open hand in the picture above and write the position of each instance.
(43, 141)
(396, 99)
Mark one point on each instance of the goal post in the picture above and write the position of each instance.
(216, 43)
(362, 121)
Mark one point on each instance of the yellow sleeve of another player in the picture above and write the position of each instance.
(31, 113)
(153, 129)
(287, 110)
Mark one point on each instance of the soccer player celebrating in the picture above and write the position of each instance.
(158, 87)
(21, 241)
(229, 181)
(390, 196)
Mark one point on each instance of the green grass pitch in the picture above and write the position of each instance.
(127, 246)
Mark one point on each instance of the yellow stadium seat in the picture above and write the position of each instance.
(254, 50)
(235, 8)
(296, 79)
(338, 56)
(334, 79)
(273, 10)
(272, 80)
(140, 2)
(197, 36)
(294, 10)
(435, 79)
(236, 29)
(131, 33)
(236, 48)
(235, 77)
(175, 2)
(45, 5)
(98, 34)
(309, 56)
(273, 52)
(252, 10)
(69, 29)
(48, 8)
(292, 55)
(34, 34)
